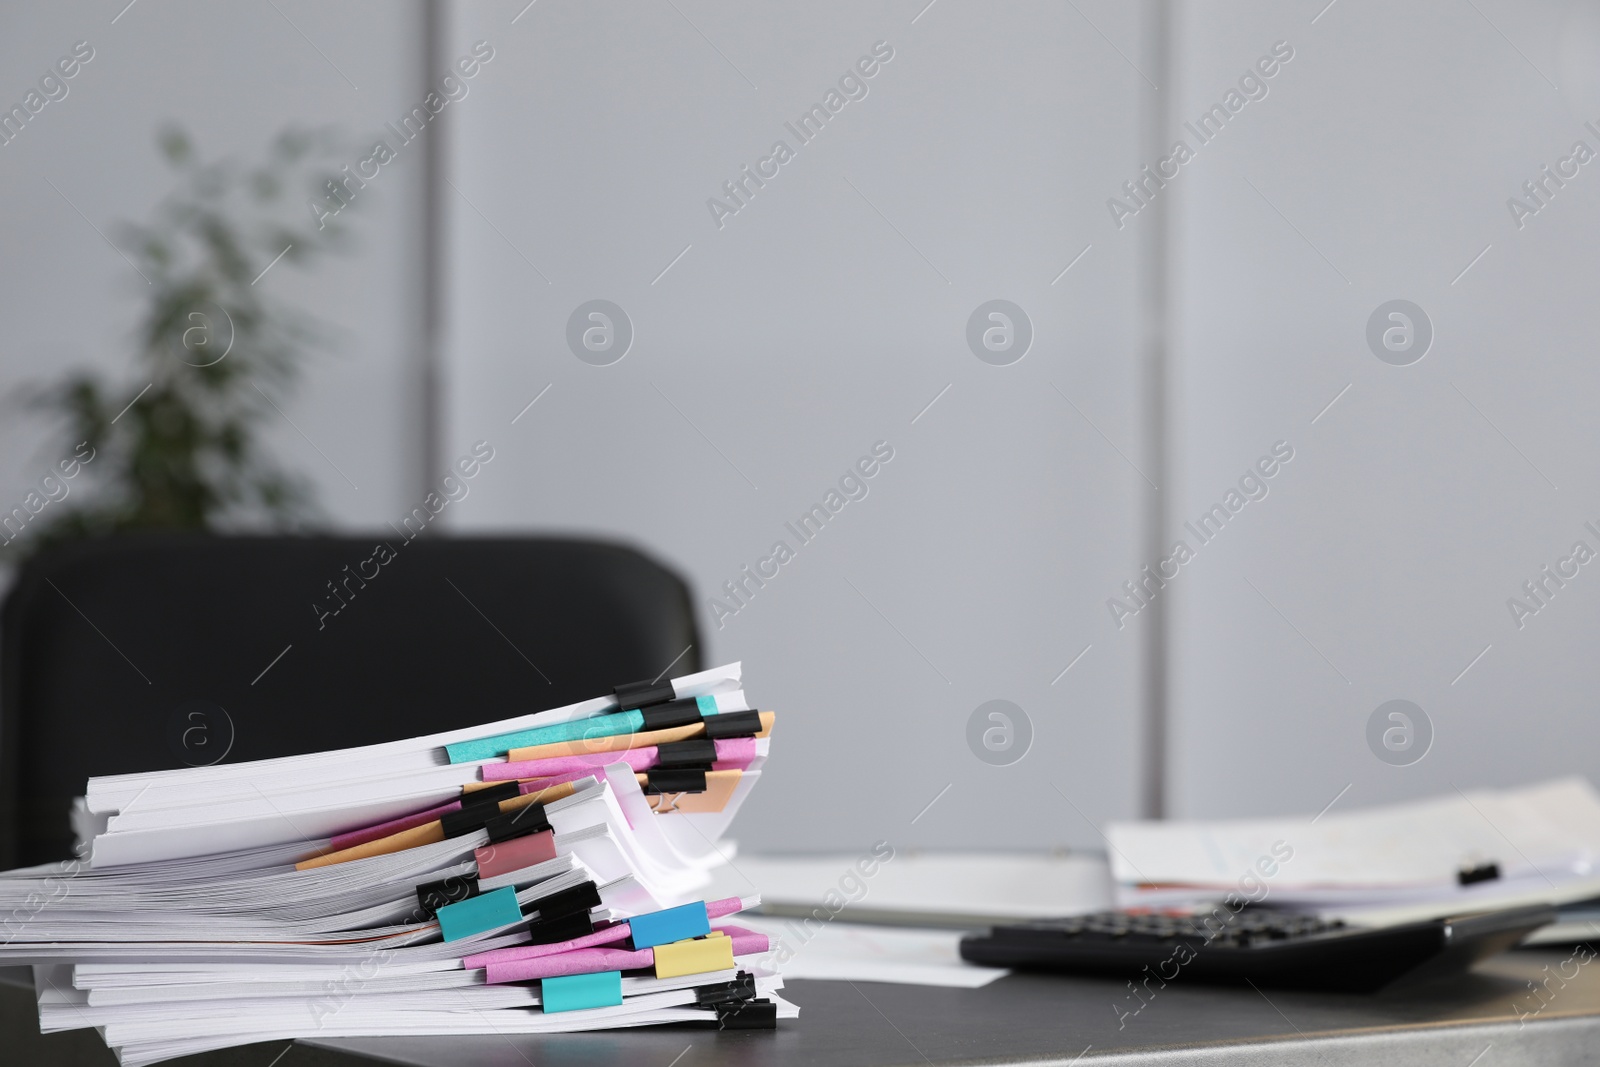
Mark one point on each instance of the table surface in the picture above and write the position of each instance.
(1019, 1019)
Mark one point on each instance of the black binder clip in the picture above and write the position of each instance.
(748, 1015)
(697, 753)
(432, 896)
(565, 928)
(497, 792)
(472, 815)
(736, 1005)
(742, 988)
(733, 724)
(685, 712)
(577, 900)
(641, 694)
(679, 781)
(529, 819)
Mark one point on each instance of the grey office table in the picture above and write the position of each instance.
(1470, 1021)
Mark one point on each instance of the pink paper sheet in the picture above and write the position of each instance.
(715, 909)
(594, 960)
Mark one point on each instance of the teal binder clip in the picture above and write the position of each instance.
(479, 914)
(574, 992)
(624, 722)
(678, 713)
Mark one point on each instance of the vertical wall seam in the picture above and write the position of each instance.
(430, 378)
(1154, 305)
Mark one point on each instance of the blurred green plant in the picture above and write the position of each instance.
(178, 447)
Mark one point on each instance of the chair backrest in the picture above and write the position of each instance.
(156, 651)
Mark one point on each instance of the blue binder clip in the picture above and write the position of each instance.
(673, 924)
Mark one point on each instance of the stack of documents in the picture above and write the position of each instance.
(547, 873)
(1463, 851)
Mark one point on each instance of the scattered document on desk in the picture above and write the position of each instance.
(1575, 921)
(852, 952)
(1450, 852)
(1578, 921)
(959, 890)
(545, 874)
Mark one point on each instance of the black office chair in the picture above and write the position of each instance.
(157, 651)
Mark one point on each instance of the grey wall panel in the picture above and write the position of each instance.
(827, 314)
(1379, 568)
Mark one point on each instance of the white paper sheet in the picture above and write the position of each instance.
(1534, 834)
(853, 952)
(924, 888)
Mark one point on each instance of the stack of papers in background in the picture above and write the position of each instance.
(1462, 852)
(542, 874)
(898, 887)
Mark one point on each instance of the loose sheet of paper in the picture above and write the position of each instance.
(924, 888)
(1547, 830)
(852, 952)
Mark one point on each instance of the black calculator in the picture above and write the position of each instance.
(1266, 947)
